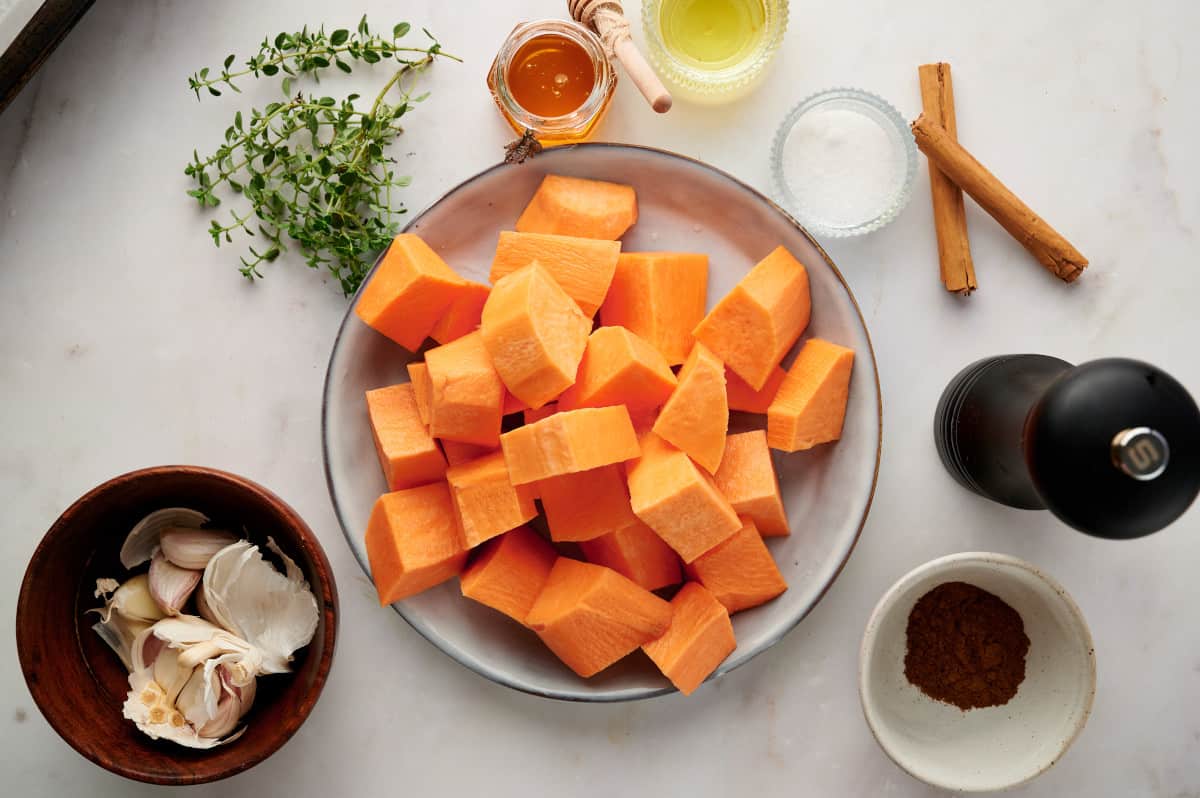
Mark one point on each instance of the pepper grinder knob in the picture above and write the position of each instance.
(1113, 448)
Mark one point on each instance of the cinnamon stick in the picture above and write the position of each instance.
(1031, 231)
(949, 213)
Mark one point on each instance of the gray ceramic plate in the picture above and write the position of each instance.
(683, 205)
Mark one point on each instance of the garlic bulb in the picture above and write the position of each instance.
(170, 585)
(148, 707)
(273, 612)
(193, 548)
(142, 541)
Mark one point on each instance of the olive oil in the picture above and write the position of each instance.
(713, 34)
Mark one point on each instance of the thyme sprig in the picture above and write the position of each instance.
(313, 169)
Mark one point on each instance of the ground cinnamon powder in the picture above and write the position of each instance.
(966, 647)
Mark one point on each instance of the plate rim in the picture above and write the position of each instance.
(631, 694)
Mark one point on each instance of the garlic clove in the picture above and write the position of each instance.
(193, 548)
(211, 702)
(142, 540)
(275, 613)
(131, 599)
(170, 674)
(225, 720)
(170, 585)
(205, 611)
(192, 700)
(245, 692)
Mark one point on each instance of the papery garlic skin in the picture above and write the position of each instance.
(193, 548)
(142, 541)
(202, 643)
(275, 613)
(170, 585)
(105, 586)
(119, 633)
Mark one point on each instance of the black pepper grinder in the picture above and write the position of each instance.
(1111, 447)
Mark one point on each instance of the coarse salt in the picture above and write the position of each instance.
(840, 166)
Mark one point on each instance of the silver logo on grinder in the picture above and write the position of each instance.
(1141, 452)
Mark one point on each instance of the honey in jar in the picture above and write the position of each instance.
(552, 77)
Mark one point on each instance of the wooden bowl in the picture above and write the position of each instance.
(78, 682)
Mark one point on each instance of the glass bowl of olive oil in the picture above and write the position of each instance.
(713, 50)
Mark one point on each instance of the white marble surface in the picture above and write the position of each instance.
(127, 340)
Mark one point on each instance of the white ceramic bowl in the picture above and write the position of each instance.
(981, 749)
(683, 205)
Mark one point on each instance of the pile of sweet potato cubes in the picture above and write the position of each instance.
(531, 407)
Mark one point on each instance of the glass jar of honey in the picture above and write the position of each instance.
(552, 77)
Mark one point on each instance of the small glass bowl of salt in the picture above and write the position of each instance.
(843, 163)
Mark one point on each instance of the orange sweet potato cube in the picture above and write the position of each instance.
(591, 616)
(740, 572)
(619, 368)
(636, 552)
(413, 541)
(509, 572)
(699, 638)
(583, 267)
(810, 407)
(486, 503)
(569, 441)
(466, 396)
(573, 206)
(586, 504)
(659, 296)
(534, 333)
(462, 316)
(409, 291)
(747, 478)
(743, 397)
(696, 416)
(458, 452)
(755, 324)
(418, 375)
(678, 500)
(407, 454)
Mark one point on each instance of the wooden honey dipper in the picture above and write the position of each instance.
(607, 18)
